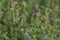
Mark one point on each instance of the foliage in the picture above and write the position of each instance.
(29, 19)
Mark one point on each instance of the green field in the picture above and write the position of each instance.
(29, 19)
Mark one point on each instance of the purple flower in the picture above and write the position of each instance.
(34, 11)
(23, 15)
(35, 15)
(29, 37)
(30, 27)
(1, 14)
(57, 16)
(45, 37)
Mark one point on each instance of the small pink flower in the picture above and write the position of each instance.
(45, 37)
(23, 15)
(30, 27)
(29, 37)
(1, 14)
(0, 30)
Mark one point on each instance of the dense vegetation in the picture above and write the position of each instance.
(29, 19)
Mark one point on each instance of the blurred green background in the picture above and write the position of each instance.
(29, 19)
